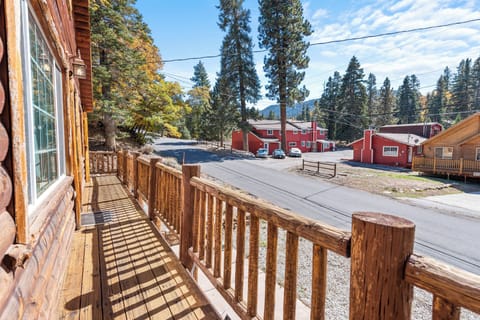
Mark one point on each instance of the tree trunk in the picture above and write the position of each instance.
(110, 130)
(245, 139)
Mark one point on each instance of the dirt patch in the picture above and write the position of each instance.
(394, 182)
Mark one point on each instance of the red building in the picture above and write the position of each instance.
(266, 134)
(392, 149)
(393, 145)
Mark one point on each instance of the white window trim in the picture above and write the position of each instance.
(292, 144)
(269, 132)
(309, 144)
(34, 198)
(303, 143)
(304, 131)
(295, 131)
(390, 153)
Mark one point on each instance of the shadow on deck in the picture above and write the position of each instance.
(121, 268)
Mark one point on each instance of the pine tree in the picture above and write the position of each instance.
(408, 106)
(371, 98)
(282, 30)
(476, 85)
(438, 100)
(462, 91)
(329, 103)
(386, 104)
(237, 59)
(199, 99)
(353, 100)
(271, 115)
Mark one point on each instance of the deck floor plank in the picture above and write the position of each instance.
(121, 268)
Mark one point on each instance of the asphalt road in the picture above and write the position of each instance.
(442, 234)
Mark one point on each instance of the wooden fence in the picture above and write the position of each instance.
(318, 167)
(219, 232)
(102, 162)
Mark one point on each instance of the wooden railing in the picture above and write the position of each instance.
(447, 166)
(103, 162)
(220, 233)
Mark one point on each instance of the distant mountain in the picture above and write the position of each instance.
(292, 112)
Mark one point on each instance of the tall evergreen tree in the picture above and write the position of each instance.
(282, 30)
(237, 58)
(372, 98)
(353, 100)
(386, 104)
(476, 85)
(199, 99)
(408, 107)
(462, 90)
(438, 100)
(447, 76)
(329, 102)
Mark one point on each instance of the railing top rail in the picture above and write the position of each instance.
(104, 152)
(459, 287)
(329, 237)
(172, 171)
(144, 160)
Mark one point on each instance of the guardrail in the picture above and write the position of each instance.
(318, 167)
(219, 232)
(102, 162)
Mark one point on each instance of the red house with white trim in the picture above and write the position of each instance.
(392, 149)
(306, 136)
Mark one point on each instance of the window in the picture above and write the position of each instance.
(419, 149)
(477, 154)
(444, 152)
(304, 131)
(295, 131)
(390, 151)
(292, 144)
(308, 144)
(43, 111)
(303, 143)
(270, 132)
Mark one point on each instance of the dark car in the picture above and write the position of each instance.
(278, 154)
(262, 153)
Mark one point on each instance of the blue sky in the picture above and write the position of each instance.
(188, 28)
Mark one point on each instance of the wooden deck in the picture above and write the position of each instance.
(121, 268)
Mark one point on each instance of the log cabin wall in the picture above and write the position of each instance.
(36, 234)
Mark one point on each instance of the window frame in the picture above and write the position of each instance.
(443, 157)
(292, 144)
(477, 154)
(35, 194)
(269, 132)
(391, 152)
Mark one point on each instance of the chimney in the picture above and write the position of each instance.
(367, 148)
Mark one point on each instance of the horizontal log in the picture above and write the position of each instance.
(454, 285)
(320, 234)
(175, 172)
(7, 227)
(144, 160)
(5, 189)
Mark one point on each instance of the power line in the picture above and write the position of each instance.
(342, 40)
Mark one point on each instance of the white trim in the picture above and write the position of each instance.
(269, 132)
(391, 153)
(292, 144)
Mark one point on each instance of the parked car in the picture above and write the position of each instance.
(294, 152)
(262, 153)
(278, 154)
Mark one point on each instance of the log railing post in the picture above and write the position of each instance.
(444, 310)
(460, 169)
(135, 155)
(152, 188)
(186, 240)
(125, 164)
(381, 245)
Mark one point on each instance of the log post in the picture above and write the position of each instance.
(461, 166)
(125, 164)
(444, 310)
(186, 240)
(135, 155)
(381, 245)
(152, 188)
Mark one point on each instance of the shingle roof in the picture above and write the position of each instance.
(405, 138)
